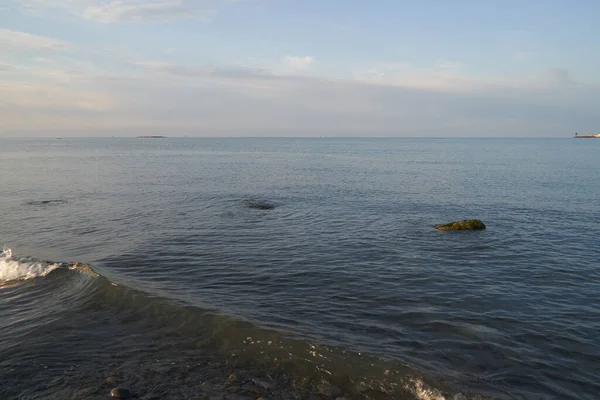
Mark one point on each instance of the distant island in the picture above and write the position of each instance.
(596, 136)
(151, 137)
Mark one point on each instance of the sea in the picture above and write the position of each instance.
(299, 268)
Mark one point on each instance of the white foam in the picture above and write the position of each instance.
(422, 392)
(13, 269)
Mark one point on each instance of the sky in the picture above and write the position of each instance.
(377, 68)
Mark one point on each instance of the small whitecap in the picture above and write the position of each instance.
(16, 269)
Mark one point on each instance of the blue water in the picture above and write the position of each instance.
(344, 282)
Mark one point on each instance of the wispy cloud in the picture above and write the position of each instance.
(128, 11)
(71, 94)
(194, 71)
(445, 76)
(298, 63)
(15, 41)
(219, 72)
(44, 60)
(453, 77)
(48, 97)
(147, 10)
(6, 68)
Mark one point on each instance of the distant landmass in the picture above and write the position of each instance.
(151, 137)
(596, 136)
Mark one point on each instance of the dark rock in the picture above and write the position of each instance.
(164, 369)
(45, 202)
(361, 387)
(251, 389)
(85, 393)
(265, 384)
(120, 393)
(467, 224)
(260, 205)
(239, 397)
(329, 390)
(111, 381)
(234, 387)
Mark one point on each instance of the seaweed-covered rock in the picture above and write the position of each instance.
(467, 224)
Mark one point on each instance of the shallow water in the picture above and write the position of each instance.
(303, 267)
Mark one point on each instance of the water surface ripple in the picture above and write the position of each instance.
(304, 267)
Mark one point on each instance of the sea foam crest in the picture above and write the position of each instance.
(14, 269)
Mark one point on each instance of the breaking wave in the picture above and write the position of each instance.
(20, 269)
(238, 347)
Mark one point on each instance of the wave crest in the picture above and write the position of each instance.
(20, 269)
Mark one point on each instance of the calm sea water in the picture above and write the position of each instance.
(144, 264)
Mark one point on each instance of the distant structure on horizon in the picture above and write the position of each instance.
(151, 137)
(590, 136)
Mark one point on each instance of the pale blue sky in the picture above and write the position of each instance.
(307, 68)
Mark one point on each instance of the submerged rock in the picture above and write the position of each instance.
(265, 384)
(151, 396)
(260, 205)
(120, 393)
(239, 397)
(111, 381)
(329, 390)
(45, 202)
(467, 224)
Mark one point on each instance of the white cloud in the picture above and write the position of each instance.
(171, 50)
(128, 11)
(298, 63)
(16, 41)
